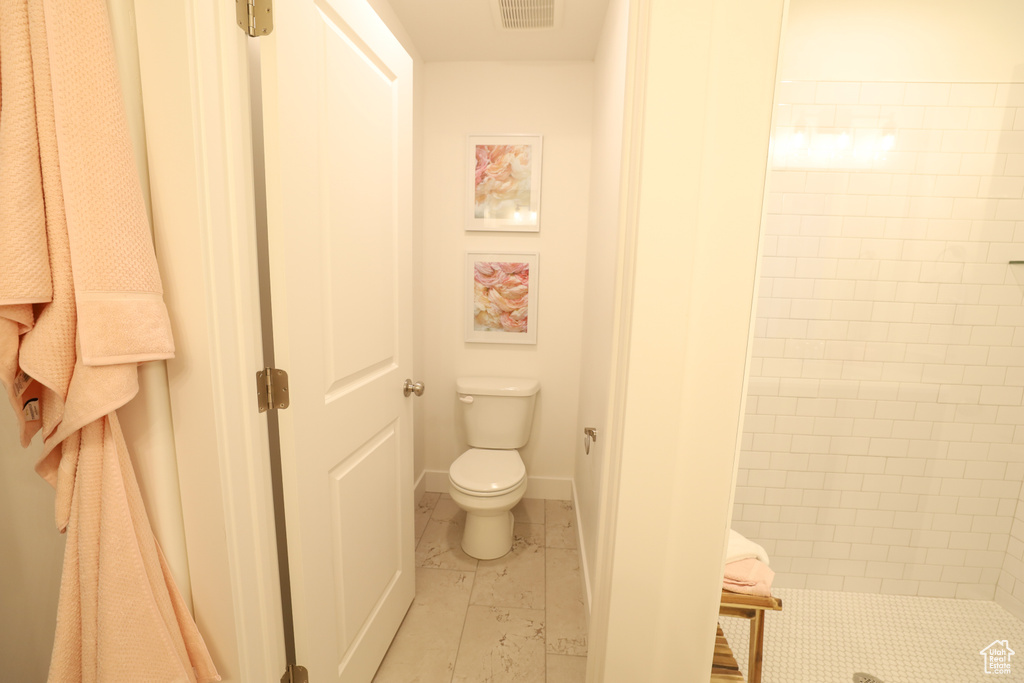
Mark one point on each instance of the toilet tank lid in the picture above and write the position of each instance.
(497, 386)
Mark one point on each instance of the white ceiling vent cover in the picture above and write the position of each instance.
(527, 14)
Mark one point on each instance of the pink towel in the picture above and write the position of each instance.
(80, 305)
(749, 576)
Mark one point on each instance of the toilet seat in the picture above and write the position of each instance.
(487, 472)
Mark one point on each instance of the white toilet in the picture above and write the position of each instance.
(489, 479)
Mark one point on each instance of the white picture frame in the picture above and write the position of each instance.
(502, 297)
(503, 183)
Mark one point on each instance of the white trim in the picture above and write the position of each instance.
(583, 555)
(543, 488)
(420, 487)
(192, 60)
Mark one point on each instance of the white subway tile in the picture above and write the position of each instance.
(786, 329)
(839, 247)
(984, 273)
(936, 589)
(972, 94)
(884, 351)
(828, 182)
(977, 506)
(906, 228)
(949, 230)
(895, 410)
(883, 570)
(965, 141)
(1001, 187)
(796, 92)
(925, 486)
(882, 93)
(927, 94)
(887, 206)
(813, 115)
(827, 329)
(927, 538)
(841, 93)
(938, 373)
(869, 183)
(822, 369)
(819, 462)
(898, 587)
(975, 209)
(792, 288)
(924, 140)
(849, 445)
(964, 489)
(967, 354)
(975, 414)
(934, 207)
(777, 266)
(882, 483)
(901, 117)
(901, 502)
(902, 372)
(1006, 396)
(947, 118)
(908, 429)
(845, 205)
(816, 267)
(957, 186)
(1001, 295)
(984, 164)
(795, 386)
(1010, 415)
(804, 480)
(984, 375)
(888, 448)
(991, 118)
(1009, 141)
(1014, 164)
(785, 424)
(1009, 210)
(917, 569)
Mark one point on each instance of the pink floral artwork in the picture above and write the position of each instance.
(503, 178)
(501, 296)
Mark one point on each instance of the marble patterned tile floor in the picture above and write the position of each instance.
(520, 618)
(827, 637)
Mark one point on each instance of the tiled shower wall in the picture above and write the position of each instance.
(884, 442)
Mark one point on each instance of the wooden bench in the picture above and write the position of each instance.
(724, 668)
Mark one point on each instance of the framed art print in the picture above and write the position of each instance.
(501, 298)
(504, 181)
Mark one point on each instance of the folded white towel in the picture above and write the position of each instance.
(741, 548)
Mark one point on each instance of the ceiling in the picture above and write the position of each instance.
(465, 30)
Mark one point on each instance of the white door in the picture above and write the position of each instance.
(337, 101)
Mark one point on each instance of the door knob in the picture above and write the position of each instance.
(411, 387)
(589, 434)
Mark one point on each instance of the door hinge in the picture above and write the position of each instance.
(255, 17)
(272, 389)
(295, 674)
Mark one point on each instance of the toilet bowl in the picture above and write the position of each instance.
(490, 478)
(487, 484)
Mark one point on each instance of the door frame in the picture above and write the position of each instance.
(196, 103)
(195, 98)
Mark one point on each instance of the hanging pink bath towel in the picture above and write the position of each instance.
(81, 304)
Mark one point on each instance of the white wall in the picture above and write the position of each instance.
(909, 40)
(698, 144)
(31, 560)
(881, 442)
(885, 396)
(602, 254)
(554, 100)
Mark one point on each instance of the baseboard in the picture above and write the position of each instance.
(420, 487)
(583, 551)
(545, 488)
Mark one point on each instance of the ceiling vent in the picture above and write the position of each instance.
(527, 14)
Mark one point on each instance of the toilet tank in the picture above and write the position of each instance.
(498, 411)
